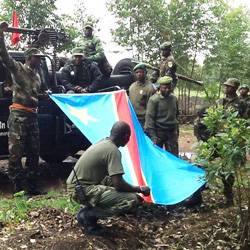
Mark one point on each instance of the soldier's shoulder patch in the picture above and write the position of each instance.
(170, 64)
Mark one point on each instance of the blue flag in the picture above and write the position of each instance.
(170, 178)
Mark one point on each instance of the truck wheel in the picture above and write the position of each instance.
(124, 67)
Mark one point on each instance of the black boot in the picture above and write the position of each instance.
(88, 220)
(32, 189)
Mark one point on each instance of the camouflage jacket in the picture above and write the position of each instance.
(26, 82)
(246, 102)
(235, 103)
(139, 94)
(92, 47)
(162, 113)
(167, 66)
(86, 75)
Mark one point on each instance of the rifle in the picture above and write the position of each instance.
(179, 76)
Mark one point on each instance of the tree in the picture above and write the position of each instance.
(32, 14)
(230, 55)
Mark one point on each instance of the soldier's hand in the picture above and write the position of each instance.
(145, 190)
(78, 89)
(84, 90)
(3, 26)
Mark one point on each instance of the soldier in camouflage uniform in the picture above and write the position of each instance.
(80, 75)
(22, 122)
(99, 170)
(245, 98)
(167, 65)
(162, 117)
(231, 99)
(140, 91)
(93, 50)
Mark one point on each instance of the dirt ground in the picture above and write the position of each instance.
(152, 227)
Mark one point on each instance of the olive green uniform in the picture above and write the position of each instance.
(162, 123)
(246, 102)
(23, 124)
(94, 169)
(139, 94)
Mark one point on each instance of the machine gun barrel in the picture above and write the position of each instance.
(188, 79)
(22, 30)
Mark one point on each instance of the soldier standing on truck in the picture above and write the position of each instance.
(94, 51)
(80, 75)
(140, 92)
(162, 117)
(167, 65)
(23, 122)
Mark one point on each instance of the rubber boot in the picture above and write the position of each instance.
(87, 219)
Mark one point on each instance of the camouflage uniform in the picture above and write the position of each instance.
(93, 50)
(139, 94)
(246, 101)
(93, 171)
(161, 119)
(167, 65)
(22, 122)
(235, 103)
(86, 75)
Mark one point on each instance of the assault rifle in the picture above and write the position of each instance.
(179, 76)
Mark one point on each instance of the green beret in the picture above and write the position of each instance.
(78, 51)
(244, 86)
(88, 25)
(33, 52)
(140, 66)
(233, 82)
(165, 45)
(165, 80)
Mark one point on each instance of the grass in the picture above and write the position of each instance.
(16, 209)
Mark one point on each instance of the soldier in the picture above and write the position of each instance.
(22, 122)
(162, 117)
(140, 91)
(99, 170)
(231, 99)
(167, 65)
(245, 98)
(93, 50)
(80, 75)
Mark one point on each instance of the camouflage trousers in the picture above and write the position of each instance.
(106, 201)
(23, 139)
(168, 138)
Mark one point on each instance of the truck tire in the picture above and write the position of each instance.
(124, 67)
(54, 158)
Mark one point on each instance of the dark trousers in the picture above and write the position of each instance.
(168, 138)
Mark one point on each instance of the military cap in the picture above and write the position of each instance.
(234, 82)
(244, 86)
(165, 80)
(78, 51)
(88, 25)
(140, 66)
(33, 52)
(165, 45)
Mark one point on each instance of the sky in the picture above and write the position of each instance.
(98, 9)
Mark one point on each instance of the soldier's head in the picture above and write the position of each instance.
(140, 71)
(154, 76)
(33, 57)
(231, 85)
(88, 30)
(243, 90)
(165, 83)
(120, 133)
(166, 49)
(78, 55)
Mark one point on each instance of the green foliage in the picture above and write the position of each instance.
(224, 154)
(17, 209)
(32, 14)
(230, 53)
